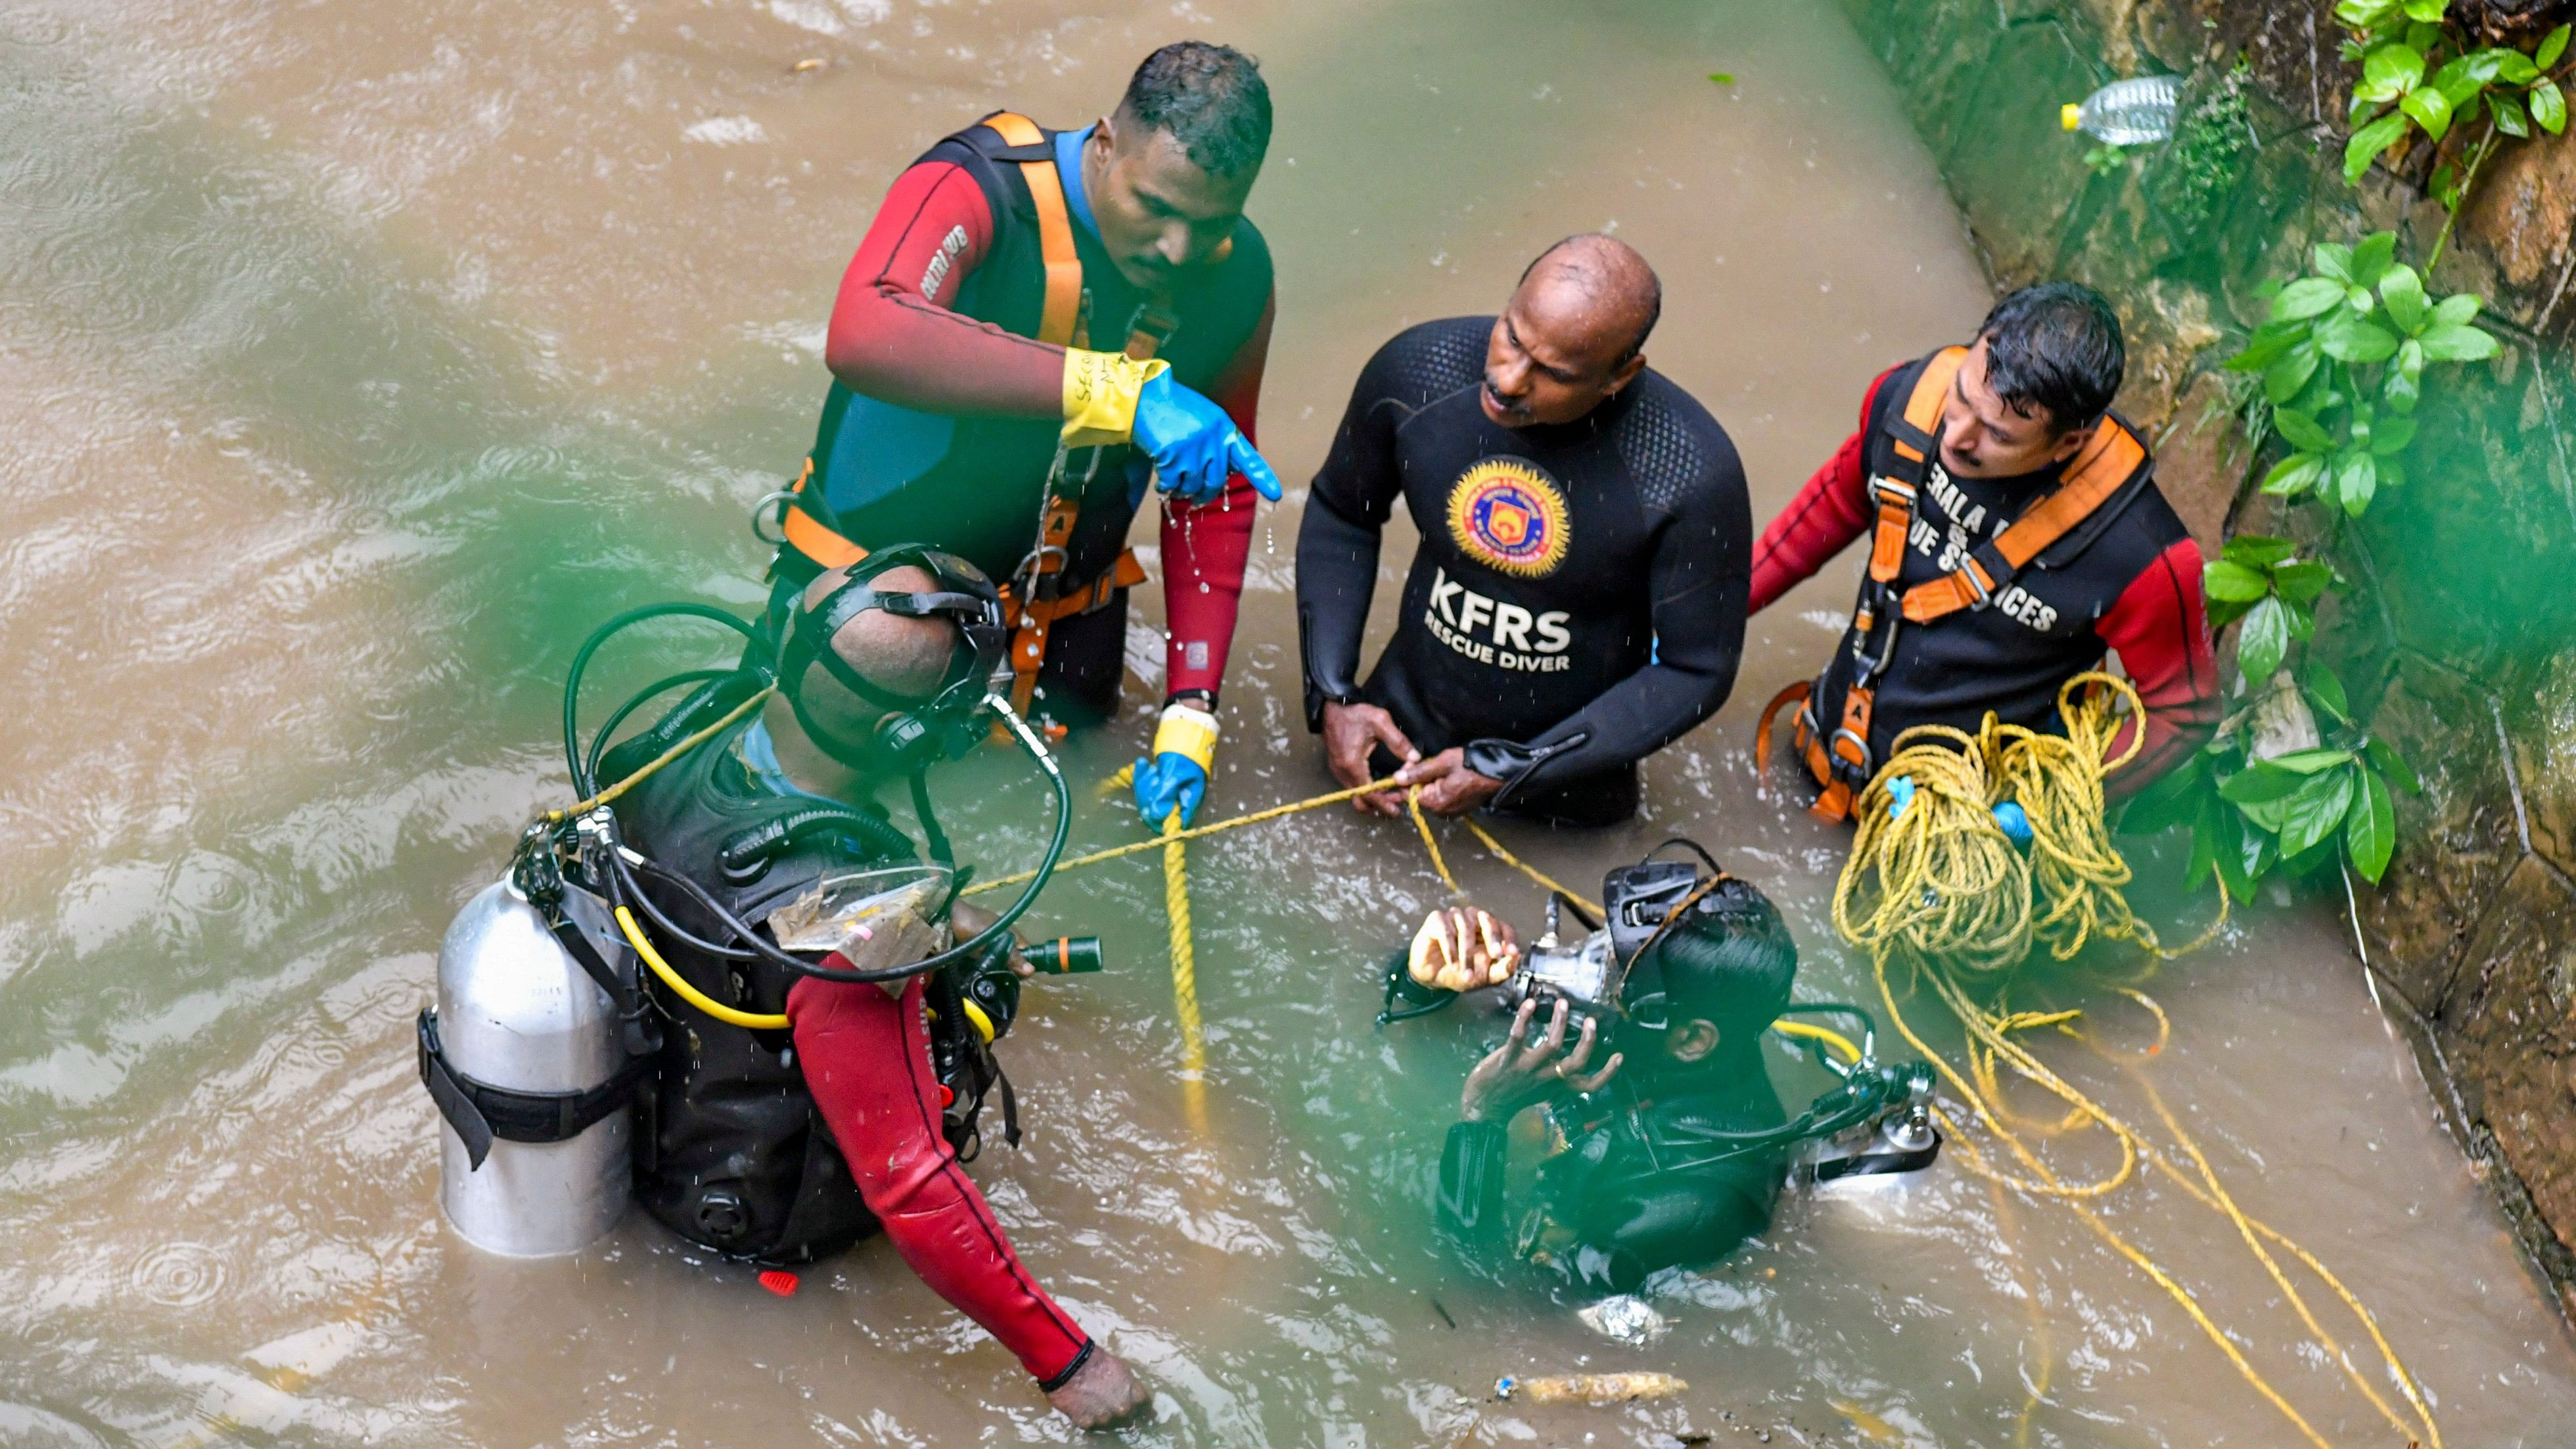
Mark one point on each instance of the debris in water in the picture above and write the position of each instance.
(779, 1281)
(1724, 78)
(1871, 1426)
(811, 62)
(1627, 1318)
(1589, 1388)
(1444, 1313)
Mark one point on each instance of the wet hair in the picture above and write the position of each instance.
(1212, 100)
(1730, 961)
(2055, 346)
(1610, 268)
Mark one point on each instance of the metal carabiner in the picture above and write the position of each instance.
(786, 498)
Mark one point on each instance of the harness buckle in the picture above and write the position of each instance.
(1884, 489)
(780, 498)
(1858, 771)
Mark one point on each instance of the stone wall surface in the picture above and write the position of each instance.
(2461, 627)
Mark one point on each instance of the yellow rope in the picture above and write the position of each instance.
(1185, 973)
(1413, 805)
(1524, 867)
(1941, 890)
(658, 761)
(1193, 833)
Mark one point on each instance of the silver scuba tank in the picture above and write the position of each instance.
(516, 1012)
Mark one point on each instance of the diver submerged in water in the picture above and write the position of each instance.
(784, 1145)
(1669, 1152)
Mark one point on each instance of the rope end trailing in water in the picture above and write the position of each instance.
(1934, 882)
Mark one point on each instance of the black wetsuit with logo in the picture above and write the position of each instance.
(1578, 598)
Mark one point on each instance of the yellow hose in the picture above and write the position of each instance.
(643, 945)
(1825, 1034)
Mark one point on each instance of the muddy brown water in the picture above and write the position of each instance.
(356, 359)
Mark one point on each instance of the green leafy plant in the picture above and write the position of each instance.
(2342, 361)
(2420, 76)
(2106, 158)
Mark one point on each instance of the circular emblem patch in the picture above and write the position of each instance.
(1509, 515)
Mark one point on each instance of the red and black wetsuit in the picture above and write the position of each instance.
(788, 1146)
(2126, 578)
(1577, 601)
(944, 410)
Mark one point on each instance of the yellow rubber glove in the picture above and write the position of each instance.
(1100, 391)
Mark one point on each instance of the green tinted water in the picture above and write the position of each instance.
(358, 359)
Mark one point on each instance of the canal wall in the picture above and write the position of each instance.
(2459, 638)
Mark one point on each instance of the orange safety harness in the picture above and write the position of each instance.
(1841, 761)
(1035, 597)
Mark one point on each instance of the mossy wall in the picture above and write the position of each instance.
(2461, 629)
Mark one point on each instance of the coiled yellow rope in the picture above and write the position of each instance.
(1940, 891)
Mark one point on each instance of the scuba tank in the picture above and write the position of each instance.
(525, 1058)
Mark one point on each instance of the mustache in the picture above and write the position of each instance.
(1496, 394)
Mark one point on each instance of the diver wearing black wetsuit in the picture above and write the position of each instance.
(1578, 599)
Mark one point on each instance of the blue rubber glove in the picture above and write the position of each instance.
(1194, 445)
(2016, 824)
(1167, 783)
(1175, 778)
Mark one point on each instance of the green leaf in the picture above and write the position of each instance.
(2302, 583)
(2325, 691)
(2333, 259)
(2430, 109)
(2392, 764)
(2363, 14)
(2309, 762)
(2255, 551)
(2171, 799)
(2391, 437)
(2428, 11)
(2294, 475)
(2392, 473)
(2457, 309)
(2403, 290)
(2347, 338)
(2515, 68)
(2370, 828)
(2372, 257)
(2371, 140)
(2458, 344)
(2356, 481)
(2549, 107)
(2483, 66)
(2511, 118)
(1721, 77)
(2302, 432)
(2262, 783)
(2312, 814)
(2455, 82)
(2257, 853)
(2234, 583)
(2552, 46)
(2307, 297)
(2263, 641)
(2389, 72)
(2283, 379)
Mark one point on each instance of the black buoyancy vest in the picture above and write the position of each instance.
(972, 485)
(2012, 655)
(731, 1152)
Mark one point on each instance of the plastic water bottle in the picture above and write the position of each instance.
(2129, 112)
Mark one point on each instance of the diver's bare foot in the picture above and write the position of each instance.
(1101, 1393)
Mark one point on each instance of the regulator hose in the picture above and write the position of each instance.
(581, 781)
(626, 891)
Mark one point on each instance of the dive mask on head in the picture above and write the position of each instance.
(1598, 975)
(916, 731)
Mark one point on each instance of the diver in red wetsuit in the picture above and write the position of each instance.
(783, 1146)
(1039, 328)
(2019, 535)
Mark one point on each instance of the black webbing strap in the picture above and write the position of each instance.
(481, 1112)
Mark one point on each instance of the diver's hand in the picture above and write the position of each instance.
(1102, 1393)
(1520, 1069)
(1194, 445)
(1351, 732)
(1448, 786)
(1464, 949)
(972, 920)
